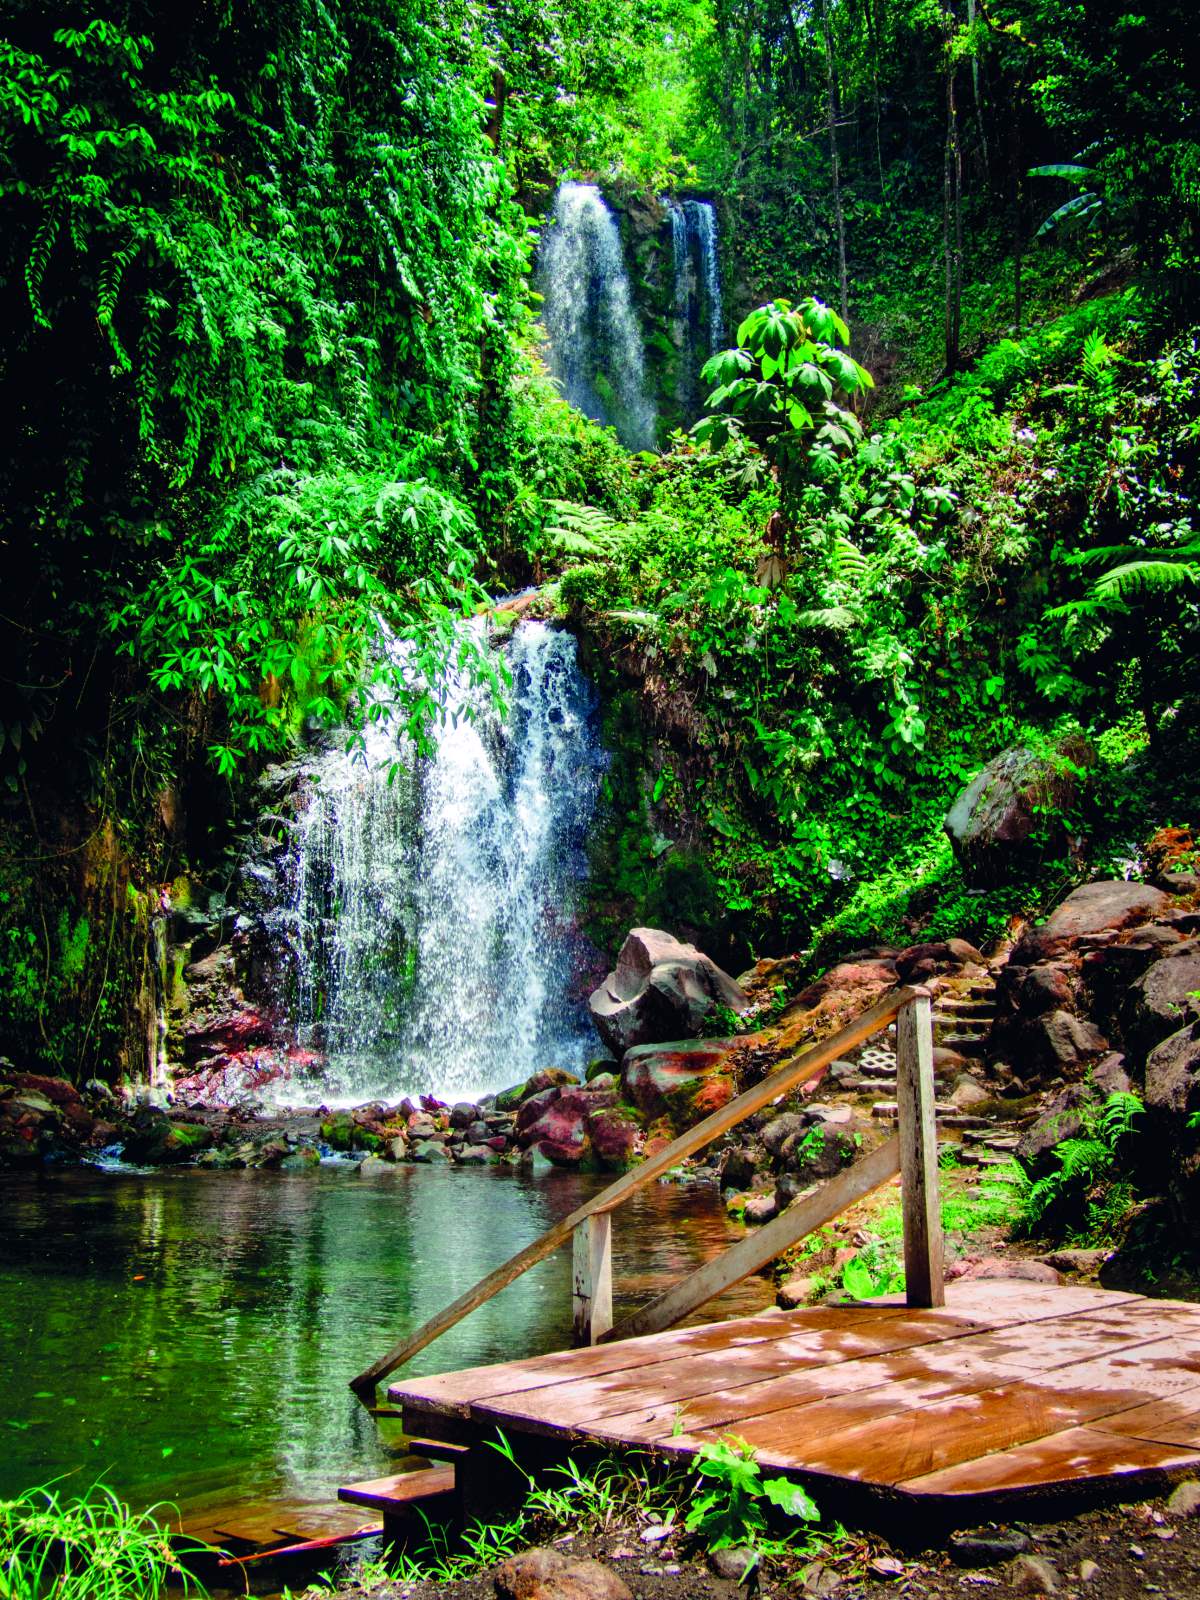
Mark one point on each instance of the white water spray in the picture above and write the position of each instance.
(595, 341)
(437, 901)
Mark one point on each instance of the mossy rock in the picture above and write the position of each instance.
(341, 1132)
(600, 1065)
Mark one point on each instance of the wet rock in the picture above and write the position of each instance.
(560, 1128)
(661, 989)
(303, 1160)
(429, 1153)
(685, 1080)
(600, 1065)
(616, 1135)
(991, 824)
(538, 1083)
(153, 1139)
(545, 1574)
(1107, 906)
(463, 1114)
(987, 1547)
(760, 1208)
(420, 1126)
(737, 1168)
(475, 1155)
(603, 1080)
(372, 1165)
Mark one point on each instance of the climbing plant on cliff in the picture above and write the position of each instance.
(260, 271)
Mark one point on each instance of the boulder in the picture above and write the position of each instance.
(991, 826)
(920, 961)
(561, 1128)
(818, 1152)
(153, 1139)
(1063, 1118)
(429, 1152)
(547, 1078)
(547, 1574)
(1161, 1000)
(685, 1080)
(1060, 1039)
(761, 1208)
(1173, 1074)
(616, 1136)
(1107, 906)
(661, 989)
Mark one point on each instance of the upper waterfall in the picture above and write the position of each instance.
(595, 341)
(434, 893)
(699, 325)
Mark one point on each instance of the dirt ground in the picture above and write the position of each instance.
(1121, 1553)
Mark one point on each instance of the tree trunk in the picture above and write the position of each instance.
(835, 163)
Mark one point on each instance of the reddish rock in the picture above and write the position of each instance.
(687, 1079)
(546, 1574)
(616, 1137)
(1106, 906)
(997, 1267)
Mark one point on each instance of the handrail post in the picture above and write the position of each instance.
(917, 1116)
(591, 1277)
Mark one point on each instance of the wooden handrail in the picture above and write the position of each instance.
(798, 1070)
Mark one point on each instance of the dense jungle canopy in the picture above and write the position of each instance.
(273, 377)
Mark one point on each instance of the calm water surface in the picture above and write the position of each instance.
(190, 1335)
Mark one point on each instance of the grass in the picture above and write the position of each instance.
(85, 1547)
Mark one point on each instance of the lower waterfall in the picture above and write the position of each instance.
(435, 893)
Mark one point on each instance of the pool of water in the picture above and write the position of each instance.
(190, 1336)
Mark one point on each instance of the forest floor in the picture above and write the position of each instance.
(1118, 1553)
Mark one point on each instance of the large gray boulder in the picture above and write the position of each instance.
(660, 990)
(991, 825)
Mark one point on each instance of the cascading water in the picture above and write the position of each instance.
(435, 893)
(699, 325)
(595, 341)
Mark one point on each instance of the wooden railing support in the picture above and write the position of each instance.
(802, 1067)
(591, 1278)
(920, 1199)
(753, 1252)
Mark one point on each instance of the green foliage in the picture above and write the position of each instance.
(1086, 1194)
(787, 387)
(85, 1547)
(733, 1509)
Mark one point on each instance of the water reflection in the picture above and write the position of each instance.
(189, 1335)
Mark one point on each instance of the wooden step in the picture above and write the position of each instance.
(438, 1449)
(400, 1490)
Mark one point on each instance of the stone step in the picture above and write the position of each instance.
(967, 1044)
(877, 1069)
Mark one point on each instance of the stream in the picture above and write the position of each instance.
(189, 1336)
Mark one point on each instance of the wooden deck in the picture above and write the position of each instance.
(1013, 1397)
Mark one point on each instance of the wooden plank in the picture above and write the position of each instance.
(1073, 1456)
(926, 1437)
(1172, 1421)
(789, 1076)
(401, 1489)
(583, 1403)
(800, 1219)
(871, 1378)
(450, 1393)
(915, 1097)
(591, 1279)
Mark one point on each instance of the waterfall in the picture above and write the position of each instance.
(595, 341)
(699, 326)
(436, 892)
